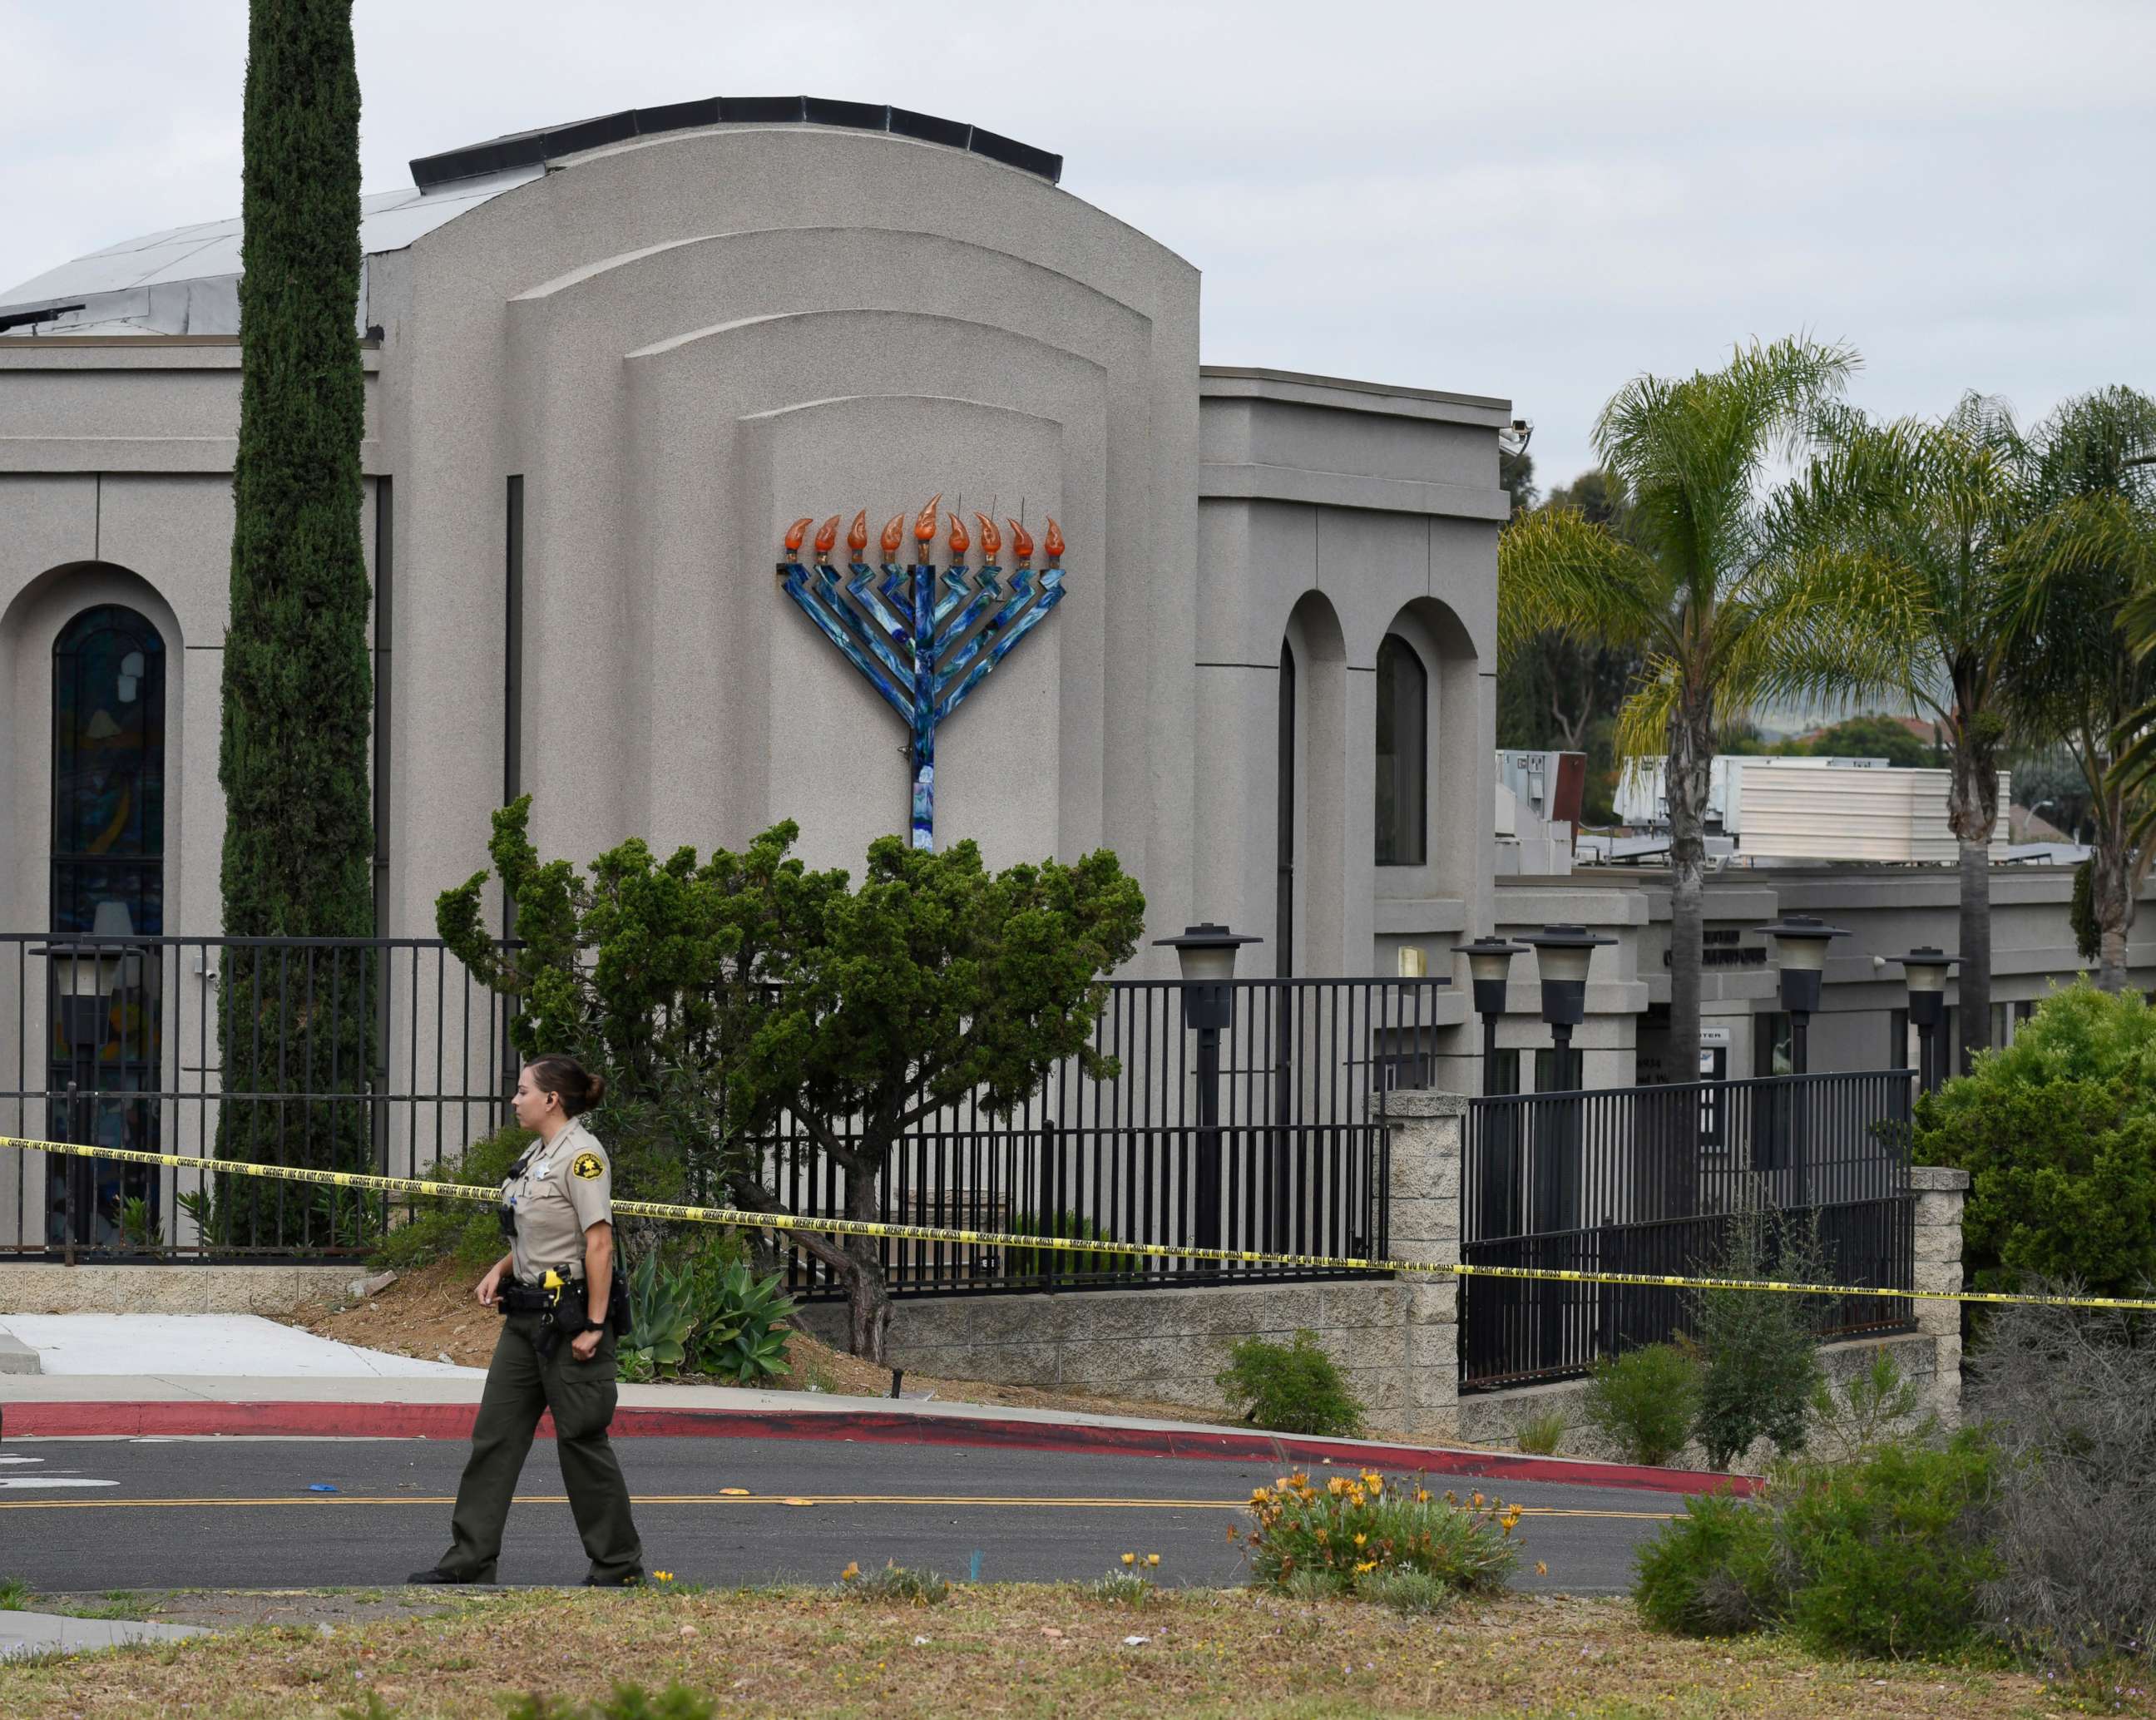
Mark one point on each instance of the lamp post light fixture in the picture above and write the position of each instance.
(1800, 941)
(1562, 953)
(1207, 953)
(1926, 970)
(1489, 960)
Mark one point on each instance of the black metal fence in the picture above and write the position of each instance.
(1285, 1159)
(1649, 1179)
(361, 1053)
(384, 1055)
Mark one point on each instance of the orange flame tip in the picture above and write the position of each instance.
(857, 539)
(1021, 542)
(1052, 545)
(960, 542)
(795, 533)
(992, 541)
(893, 533)
(826, 536)
(924, 528)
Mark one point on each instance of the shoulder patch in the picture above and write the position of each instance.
(587, 1165)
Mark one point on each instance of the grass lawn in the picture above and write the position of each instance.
(997, 1650)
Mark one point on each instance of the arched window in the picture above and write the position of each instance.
(1403, 740)
(108, 883)
(108, 774)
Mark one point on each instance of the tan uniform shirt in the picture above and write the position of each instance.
(566, 1189)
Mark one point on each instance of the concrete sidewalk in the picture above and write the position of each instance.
(75, 1346)
(44, 1633)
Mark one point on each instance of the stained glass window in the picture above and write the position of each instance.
(108, 882)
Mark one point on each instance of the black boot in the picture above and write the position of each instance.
(437, 1574)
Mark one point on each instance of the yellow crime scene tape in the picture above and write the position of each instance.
(742, 1218)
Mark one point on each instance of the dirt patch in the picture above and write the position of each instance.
(1001, 1651)
(431, 1314)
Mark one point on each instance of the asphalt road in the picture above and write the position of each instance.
(93, 1515)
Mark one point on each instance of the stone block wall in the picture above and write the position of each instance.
(43, 1288)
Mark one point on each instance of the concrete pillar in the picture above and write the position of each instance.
(1940, 1195)
(1426, 1129)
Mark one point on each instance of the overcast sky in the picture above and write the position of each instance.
(1535, 201)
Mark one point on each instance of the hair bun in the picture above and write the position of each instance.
(576, 1087)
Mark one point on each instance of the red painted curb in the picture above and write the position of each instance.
(454, 1421)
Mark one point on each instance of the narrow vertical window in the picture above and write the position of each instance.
(1403, 741)
(108, 889)
(1284, 827)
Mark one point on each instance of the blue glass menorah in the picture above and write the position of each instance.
(924, 637)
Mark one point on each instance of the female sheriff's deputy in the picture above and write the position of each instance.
(556, 1349)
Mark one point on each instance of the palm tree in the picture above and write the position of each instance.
(2087, 557)
(1698, 584)
(1921, 518)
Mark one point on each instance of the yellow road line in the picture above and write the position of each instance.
(778, 1499)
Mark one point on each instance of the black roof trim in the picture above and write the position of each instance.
(534, 148)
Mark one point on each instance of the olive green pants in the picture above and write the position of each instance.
(519, 1388)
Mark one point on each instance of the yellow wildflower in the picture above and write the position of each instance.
(1422, 1496)
(851, 1571)
(1478, 1501)
(662, 1576)
(1364, 1569)
(1130, 1558)
(1361, 1540)
(1152, 1560)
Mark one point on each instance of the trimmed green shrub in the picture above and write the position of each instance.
(2058, 1134)
(441, 1229)
(1643, 1402)
(1358, 1535)
(1888, 1555)
(1884, 1557)
(1712, 1572)
(1758, 1352)
(1289, 1387)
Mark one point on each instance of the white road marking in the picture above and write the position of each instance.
(39, 1480)
(22, 1459)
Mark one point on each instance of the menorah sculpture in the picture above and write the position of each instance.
(924, 638)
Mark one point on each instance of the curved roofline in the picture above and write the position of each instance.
(549, 143)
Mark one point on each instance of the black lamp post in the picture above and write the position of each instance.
(1926, 970)
(1489, 960)
(1563, 955)
(1800, 941)
(1207, 953)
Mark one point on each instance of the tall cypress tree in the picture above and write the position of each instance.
(298, 686)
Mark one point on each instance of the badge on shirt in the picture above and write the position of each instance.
(587, 1165)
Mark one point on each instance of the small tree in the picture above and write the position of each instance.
(2058, 1134)
(731, 997)
(1759, 1352)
